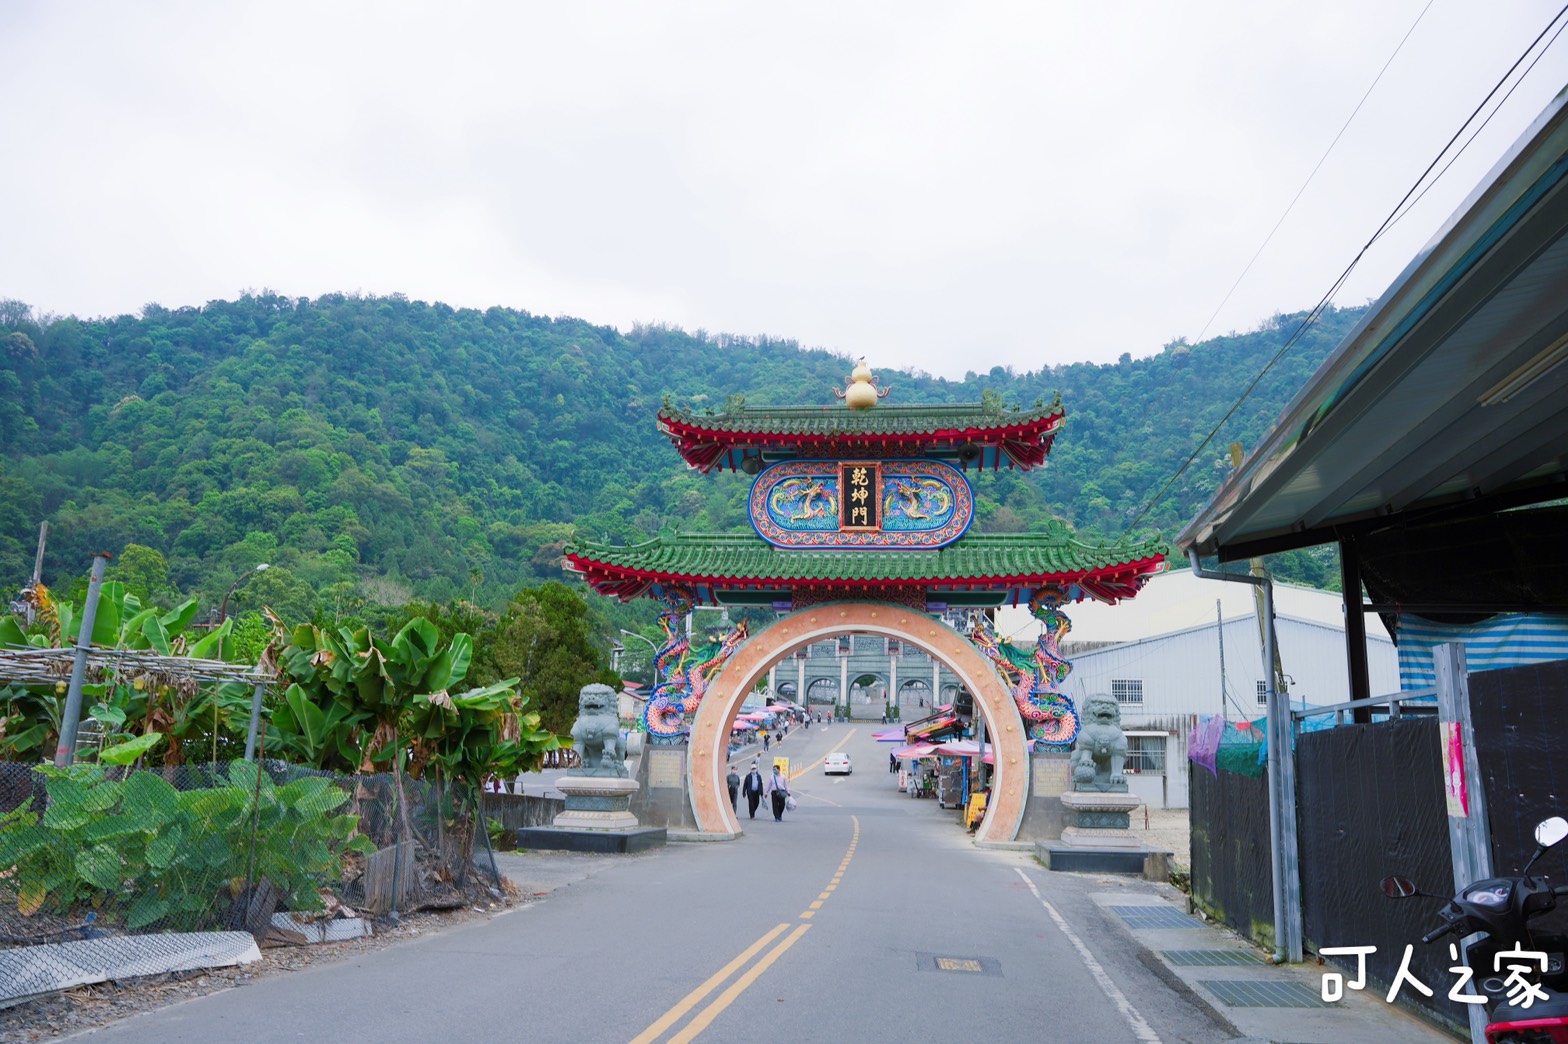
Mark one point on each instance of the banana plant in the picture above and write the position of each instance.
(463, 740)
(29, 721)
(140, 701)
(471, 736)
(310, 733)
(362, 686)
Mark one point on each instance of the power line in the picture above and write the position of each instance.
(1473, 134)
(1294, 199)
(1394, 215)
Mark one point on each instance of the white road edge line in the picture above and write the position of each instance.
(1140, 1028)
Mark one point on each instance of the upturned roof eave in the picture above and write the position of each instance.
(627, 568)
(876, 423)
(1025, 445)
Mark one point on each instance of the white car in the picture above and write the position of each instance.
(837, 763)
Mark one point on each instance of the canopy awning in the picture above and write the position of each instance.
(926, 728)
(969, 749)
(915, 751)
(889, 735)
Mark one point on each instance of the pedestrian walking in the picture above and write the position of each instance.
(778, 789)
(753, 788)
(766, 743)
(733, 781)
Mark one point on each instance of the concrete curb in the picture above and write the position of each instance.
(698, 837)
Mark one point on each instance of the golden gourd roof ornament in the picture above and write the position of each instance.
(861, 391)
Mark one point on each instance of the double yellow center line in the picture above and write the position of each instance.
(705, 1017)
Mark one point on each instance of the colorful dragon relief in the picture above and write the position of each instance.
(685, 671)
(804, 499)
(916, 498)
(1035, 679)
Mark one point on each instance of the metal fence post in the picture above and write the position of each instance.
(484, 832)
(65, 753)
(255, 721)
(1285, 868)
(1469, 830)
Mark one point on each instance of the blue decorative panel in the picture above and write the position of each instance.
(917, 504)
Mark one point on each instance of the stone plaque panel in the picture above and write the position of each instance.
(666, 768)
(1052, 776)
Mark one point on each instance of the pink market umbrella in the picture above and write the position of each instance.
(915, 751)
(968, 749)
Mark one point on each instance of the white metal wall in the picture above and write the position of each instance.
(1180, 675)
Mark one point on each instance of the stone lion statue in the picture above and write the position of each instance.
(1101, 749)
(597, 733)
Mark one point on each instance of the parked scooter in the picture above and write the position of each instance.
(1501, 907)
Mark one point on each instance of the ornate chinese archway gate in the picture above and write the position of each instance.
(872, 505)
(711, 728)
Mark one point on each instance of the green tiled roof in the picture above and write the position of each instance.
(983, 558)
(840, 420)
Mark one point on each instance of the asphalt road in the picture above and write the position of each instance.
(864, 916)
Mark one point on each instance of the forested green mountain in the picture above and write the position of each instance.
(378, 449)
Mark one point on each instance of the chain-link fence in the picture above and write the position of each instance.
(95, 852)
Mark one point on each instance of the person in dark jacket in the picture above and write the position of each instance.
(733, 782)
(753, 789)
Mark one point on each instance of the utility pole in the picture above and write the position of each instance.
(1219, 616)
(38, 571)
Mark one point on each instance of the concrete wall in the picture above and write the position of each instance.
(515, 811)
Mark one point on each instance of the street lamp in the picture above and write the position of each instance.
(654, 660)
(223, 610)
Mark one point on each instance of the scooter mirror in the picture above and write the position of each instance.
(1399, 887)
(1550, 831)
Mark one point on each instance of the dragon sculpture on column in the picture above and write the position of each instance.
(1035, 679)
(685, 671)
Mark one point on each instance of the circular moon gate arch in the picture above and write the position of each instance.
(711, 728)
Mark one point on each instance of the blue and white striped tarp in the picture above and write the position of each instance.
(1505, 640)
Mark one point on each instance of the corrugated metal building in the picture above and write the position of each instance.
(1159, 657)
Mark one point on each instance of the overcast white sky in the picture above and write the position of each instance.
(939, 185)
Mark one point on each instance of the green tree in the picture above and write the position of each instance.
(144, 572)
(545, 640)
(291, 599)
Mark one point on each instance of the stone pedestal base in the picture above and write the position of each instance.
(617, 841)
(1078, 837)
(599, 803)
(1099, 820)
(1150, 864)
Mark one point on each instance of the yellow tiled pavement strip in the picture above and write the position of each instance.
(705, 1017)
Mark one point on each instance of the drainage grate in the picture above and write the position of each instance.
(960, 965)
(1245, 993)
(1154, 917)
(1210, 958)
